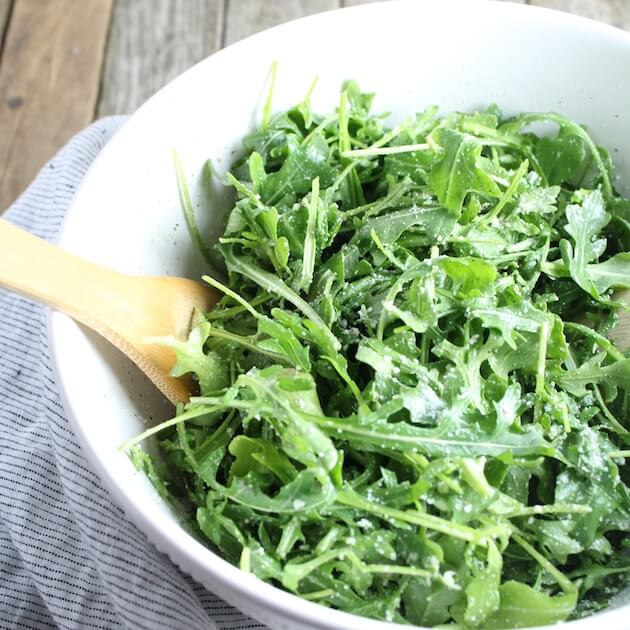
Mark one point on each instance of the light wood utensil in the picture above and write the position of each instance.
(122, 308)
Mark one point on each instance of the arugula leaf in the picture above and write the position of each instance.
(249, 452)
(521, 606)
(614, 272)
(561, 158)
(307, 491)
(208, 367)
(482, 593)
(509, 320)
(283, 341)
(456, 440)
(584, 222)
(615, 375)
(434, 221)
(457, 173)
(470, 276)
(429, 604)
(302, 165)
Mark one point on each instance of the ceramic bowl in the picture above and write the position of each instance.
(126, 213)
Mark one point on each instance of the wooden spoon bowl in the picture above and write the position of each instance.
(122, 308)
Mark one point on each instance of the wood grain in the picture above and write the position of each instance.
(246, 17)
(5, 8)
(49, 78)
(152, 42)
(354, 3)
(615, 12)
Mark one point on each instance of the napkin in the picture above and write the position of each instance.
(69, 558)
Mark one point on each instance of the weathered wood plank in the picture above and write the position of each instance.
(246, 17)
(615, 12)
(49, 79)
(150, 43)
(5, 8)
(354, 3)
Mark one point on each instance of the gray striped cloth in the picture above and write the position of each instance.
(68, 556)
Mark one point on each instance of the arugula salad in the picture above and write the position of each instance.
(410, 407)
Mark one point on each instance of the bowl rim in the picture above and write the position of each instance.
(181, 547)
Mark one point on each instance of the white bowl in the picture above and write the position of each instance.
(126, 214)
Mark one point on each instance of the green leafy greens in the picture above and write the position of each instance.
(408, 405)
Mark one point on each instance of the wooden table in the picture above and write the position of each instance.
(64, 63)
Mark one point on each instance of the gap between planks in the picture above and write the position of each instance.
(615, 12)
(5, 12)
(246, 17)
(49, 76)
(150, 43)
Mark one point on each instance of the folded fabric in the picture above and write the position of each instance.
(68, 556)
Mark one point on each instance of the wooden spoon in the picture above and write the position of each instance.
(122, 308)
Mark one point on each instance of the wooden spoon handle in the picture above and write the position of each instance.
(31, 266)
(117, 306)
